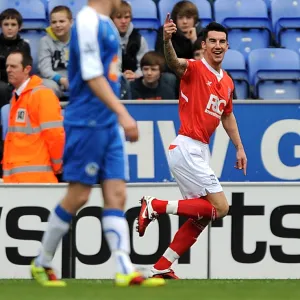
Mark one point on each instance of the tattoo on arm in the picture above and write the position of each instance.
(177, 65)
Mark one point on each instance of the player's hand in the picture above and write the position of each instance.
(241, 160)
(191, 34)
(130, 126)
(169, 28)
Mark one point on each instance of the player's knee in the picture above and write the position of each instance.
(222, 210)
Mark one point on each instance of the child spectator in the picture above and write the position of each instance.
(198, 52)
(10, 40)
(134, 46)
(185, 15)
(54, 50)
(153, 85)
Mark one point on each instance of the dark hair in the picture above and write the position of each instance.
(185, 8)
(153, 58)
(62, 8)
(214, 26)
(11, 13)
(26, 57)
(198, 44)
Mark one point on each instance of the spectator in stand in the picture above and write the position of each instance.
(198, 53)
(10, 40)
(134, 46)
(34, 143)
(153, 85)
(54, 51)
(185, 15)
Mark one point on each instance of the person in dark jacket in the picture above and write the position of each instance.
(153, 85)
(134, 46)
(186, 17)
(10, 40)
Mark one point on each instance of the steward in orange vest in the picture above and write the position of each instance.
(34, 143)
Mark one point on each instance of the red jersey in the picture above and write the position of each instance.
(204, 96)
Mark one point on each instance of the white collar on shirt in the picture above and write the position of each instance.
(22, 87)
(211, 69)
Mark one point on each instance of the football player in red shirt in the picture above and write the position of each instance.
(205, 100)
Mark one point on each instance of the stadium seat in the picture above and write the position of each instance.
(33, 37)
(4, 119)
(247, 22)
(74, 5)
(204, 8)
(286, 23)
(32, 11)
(150, 35)
(275, 73)
(144, 18)
(234, 62)
(268, 3)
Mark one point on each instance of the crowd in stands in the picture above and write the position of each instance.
(144, 73)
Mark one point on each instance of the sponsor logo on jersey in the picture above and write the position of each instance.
(215, 106)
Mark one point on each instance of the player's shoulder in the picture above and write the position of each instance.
(194, 65)
(194, 62)
(227, 76)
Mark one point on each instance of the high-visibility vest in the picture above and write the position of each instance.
(34, 143)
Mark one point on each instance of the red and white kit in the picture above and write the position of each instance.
(205, 95)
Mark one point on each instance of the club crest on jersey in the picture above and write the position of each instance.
(215, 106)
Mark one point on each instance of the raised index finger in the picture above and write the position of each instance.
(167, 18)
(245, 167)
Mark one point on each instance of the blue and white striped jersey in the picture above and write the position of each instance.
(94, 50)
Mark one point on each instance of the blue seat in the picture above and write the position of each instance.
(144, 18)
(268, 3)
(4, 119)
(144, 14)
(286, 23)
(204, 8)
(150, 35)
(275, 73)
(74, 5)
(234, 62)
(247, 22)
(32, 11)
(33, 37)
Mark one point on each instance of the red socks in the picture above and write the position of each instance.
(192, 208)
(196, 208)
(184, 238)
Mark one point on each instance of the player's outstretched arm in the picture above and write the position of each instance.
(177, 65)
(103, 91)
(230, 126)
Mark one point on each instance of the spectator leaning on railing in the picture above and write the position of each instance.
(154, 85)
(33, 146)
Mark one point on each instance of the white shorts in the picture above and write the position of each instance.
(189, 163)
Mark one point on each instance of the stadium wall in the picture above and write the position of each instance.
(259, 238)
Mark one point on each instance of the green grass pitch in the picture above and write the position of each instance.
(174, 290)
